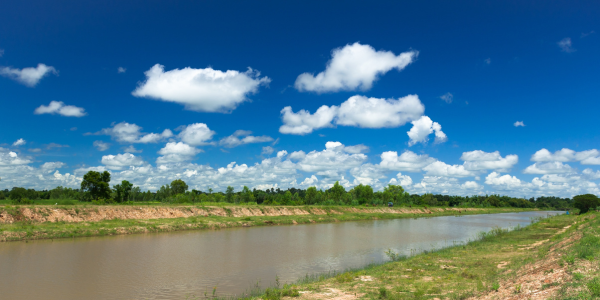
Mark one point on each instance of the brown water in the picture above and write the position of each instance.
(174, 265)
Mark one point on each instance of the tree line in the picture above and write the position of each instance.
(95, 187)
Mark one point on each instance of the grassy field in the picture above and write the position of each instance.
(27, 229)
(554, 258)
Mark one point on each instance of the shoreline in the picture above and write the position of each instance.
(551, 258)
(52, 222)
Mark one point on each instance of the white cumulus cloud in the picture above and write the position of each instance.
(206, 90)
(176, 152)
(555, 167)
(354, 67)
(59, 107)
(479, 160)
(421, 130)
(196, 134)
(519, 124)
(28, 76)
(357, 111)
(407, 161)
(442, 169)
(587, 157)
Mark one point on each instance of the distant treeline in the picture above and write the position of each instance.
(95, 187)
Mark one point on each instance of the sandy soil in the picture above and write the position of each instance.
(99, 213)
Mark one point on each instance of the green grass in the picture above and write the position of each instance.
(465, 270)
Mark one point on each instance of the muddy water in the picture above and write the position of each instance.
(175, 265)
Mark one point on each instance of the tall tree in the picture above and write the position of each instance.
(123, 190)
(96, 184)
(178, 186)
(586, 202)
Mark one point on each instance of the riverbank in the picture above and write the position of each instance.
(554, 258)
(19, 223)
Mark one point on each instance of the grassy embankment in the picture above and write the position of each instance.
(50, 222)
(554, 258)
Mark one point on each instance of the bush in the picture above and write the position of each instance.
(22, 201)
(345, 277)
(586, 202)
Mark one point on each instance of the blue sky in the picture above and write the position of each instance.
(158, 90)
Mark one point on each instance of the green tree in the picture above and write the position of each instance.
(311, 195)
(583, 202)
(337, 191)
(96, 184)
(229, 194)
(178, 186)
(18, 193)
(123, 190)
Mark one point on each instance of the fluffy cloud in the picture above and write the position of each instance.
(303, 122)
(121, 70)
(120, 161)
(407, 161)
(519, 124)
(176, 152)
(566, 45)
(548, 168)
(28, 76)
(19, 142)
(330, 161)
(196, 134)
(206, 90)
(587, 157)
(101, 146)
(591, 174)
(471, 185)
(442, 169)
(10, 158)
(236, 139)
(132, 149)
(16, 172)
(403, 180)
(353, 67)
(368, 174)
(421, 130)
(357, 111)
(59, 107)
(505, 182)
(479, 160)
(131, 133)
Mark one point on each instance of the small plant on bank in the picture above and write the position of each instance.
(517, 288)
(594, 286)
(383, 293)
(496, 286)
(393, 256)
(344, 277)
(578, 276)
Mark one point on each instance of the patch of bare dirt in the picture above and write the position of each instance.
(331, 293)
(539, 280)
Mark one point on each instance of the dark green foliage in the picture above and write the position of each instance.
(178, 186)
(123, 191)
(96, 184)
(586, 202)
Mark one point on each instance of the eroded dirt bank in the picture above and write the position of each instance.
(10, 215)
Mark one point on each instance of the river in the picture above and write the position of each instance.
(179, 264)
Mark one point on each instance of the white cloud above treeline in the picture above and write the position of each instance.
(587, 157)
(357, 111)
(353, 67)
(206, 90)
(28, 76)
(59, 107)
(131, 133)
